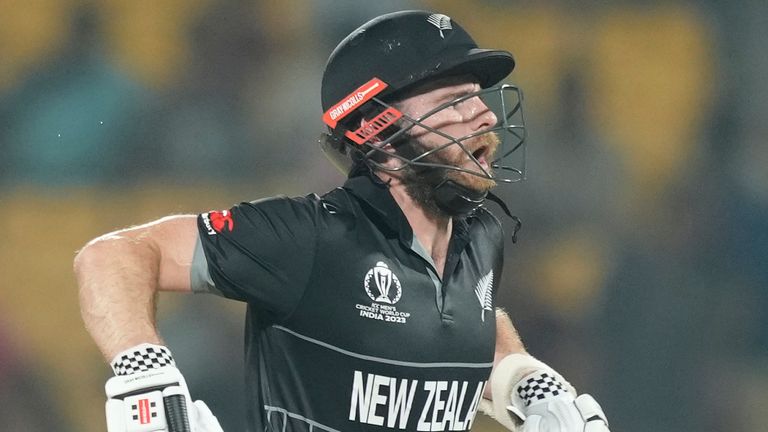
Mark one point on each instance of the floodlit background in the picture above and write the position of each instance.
(641, 273)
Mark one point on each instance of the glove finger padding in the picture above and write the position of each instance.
(555, 409)
(592, 413)
(557, 414)
(205, 421)
(565, 414)
(594, 426)
(532, 424)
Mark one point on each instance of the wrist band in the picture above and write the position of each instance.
(142, 358)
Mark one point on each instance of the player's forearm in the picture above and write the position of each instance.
(507, 339)
(507, 342)
(117, 276)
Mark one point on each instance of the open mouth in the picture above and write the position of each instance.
(480, 155)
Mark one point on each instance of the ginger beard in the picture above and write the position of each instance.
(420, 181)
(479, 181)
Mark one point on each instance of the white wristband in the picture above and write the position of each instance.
(142, 358)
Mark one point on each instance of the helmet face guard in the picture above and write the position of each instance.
(394, 54)
(507, 165)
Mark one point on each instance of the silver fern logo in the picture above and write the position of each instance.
(484, 292)
(442, 22)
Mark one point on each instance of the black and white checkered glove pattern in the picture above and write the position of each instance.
(547, 405)
(142, 358)
(540, 386)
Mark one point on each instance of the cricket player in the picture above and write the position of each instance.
(371, 307)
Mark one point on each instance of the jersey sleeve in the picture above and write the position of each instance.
(260, 252)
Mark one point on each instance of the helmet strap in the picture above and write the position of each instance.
(457, 200)
(518, 223)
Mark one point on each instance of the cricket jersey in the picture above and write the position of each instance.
(348, 325)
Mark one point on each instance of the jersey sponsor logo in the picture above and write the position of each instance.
(442, 22)
(484, 293)
(388, 401)
(383, 287)
(217, 221)
(221, 220)
(207, 222)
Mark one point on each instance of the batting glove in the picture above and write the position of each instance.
(148, 394)
(547, 406)
(530, 396)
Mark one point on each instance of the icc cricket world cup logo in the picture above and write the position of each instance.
(386, 284)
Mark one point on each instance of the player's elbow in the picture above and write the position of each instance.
(89, 256)
(86, 264)
(109, 254)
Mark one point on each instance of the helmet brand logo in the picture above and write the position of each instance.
(353, 101)
(372, 128)
(442, 22)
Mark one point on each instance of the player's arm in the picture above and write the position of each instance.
(507, 342)
(120, 273)
(529, 396)
(507, 339)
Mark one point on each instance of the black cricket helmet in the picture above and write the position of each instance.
(394, 53)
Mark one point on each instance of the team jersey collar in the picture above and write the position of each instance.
(376, 194)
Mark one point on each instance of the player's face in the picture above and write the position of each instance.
(468, 117)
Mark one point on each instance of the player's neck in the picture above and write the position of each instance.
(432, 231)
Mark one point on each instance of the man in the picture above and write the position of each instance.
(371, 307)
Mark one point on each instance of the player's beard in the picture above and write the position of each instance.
(420, 182)
(475, 182)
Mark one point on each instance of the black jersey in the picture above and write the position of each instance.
(349, 327)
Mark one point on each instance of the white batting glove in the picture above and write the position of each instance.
(547, 406)
(530, 396)
(150, 395)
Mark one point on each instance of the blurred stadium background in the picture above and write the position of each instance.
(641, 269)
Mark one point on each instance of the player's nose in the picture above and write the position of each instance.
(482, 116)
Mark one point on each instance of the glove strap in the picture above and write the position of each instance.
(142, 358)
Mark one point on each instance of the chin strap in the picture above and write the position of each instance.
(518, 223)
(458, 200)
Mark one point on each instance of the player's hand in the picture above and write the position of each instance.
(205, 421)
(546, 406)
(150, 394)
